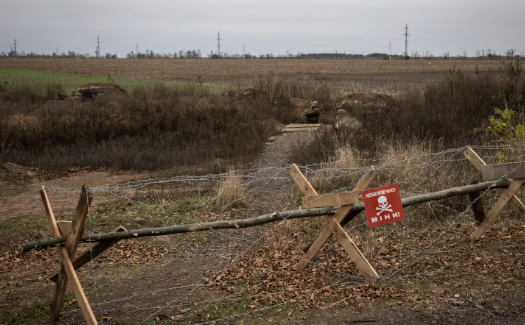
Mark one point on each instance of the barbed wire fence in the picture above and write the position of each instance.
(419, 246)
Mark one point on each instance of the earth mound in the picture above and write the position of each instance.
(94, 90)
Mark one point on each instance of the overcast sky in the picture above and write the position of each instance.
(270, 26)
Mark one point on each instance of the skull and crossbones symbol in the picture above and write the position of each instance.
(383, 205)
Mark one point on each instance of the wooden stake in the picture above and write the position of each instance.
(332, 199)
(67, 269)
(351, 249)
(478, 163)
(77, 288)
(302, 182)
(327, 231)
(505, 197)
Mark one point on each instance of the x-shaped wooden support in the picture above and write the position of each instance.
(506, 197)
(67, 270)
(334, 225)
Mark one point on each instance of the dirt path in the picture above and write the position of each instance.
(19, 200)
(272, 195)
(167, 286)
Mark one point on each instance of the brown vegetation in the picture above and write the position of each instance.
(450, 113)
(169, 69)
(153, 128)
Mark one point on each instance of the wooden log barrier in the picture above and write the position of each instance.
(267, 218)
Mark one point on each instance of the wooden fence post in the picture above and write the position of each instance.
(67, 271)
(333, 225)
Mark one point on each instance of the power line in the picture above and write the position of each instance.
(406, 41)
(218, 44)
(97, 51)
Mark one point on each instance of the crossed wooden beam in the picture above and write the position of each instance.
(334, 223)
(515, 171)
(74, 230)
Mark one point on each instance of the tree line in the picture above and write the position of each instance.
(197, 54)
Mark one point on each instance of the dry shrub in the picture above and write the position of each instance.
(414, 166)
(23, 123)
(153, 128)
(231, 193)
(455, 111)
(53, 91)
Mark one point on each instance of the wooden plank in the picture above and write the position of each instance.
(478, 163)
(77, 288)
(473, 157)
(332, 199)
(53, 228)
(56, 231)
(326, 233)
(505, 197)
(302, 182)
(90, 254)
(299, 130)
(352, 250)
(497, 171)
(297, 125)
(64, 227)
(69, 270)
(73, 238)
(79, 220)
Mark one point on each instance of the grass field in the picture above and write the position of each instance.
(72, 81)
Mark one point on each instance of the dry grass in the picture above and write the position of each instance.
(153, 128)
(230, 193)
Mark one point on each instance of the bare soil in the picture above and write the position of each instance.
(384, 71)
(19, 194)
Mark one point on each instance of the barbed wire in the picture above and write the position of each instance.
(257, 179)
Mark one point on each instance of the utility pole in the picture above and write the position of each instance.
(14, 51)
(390, 49)
(243, 55)
(219, 44)
(57, 52)
(97, 52)
(136, 49)
(406, 42)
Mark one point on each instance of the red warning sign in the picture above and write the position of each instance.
(383, 205)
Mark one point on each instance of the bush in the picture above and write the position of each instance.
(153, 128)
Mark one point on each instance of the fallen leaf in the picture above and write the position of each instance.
(252, 306)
